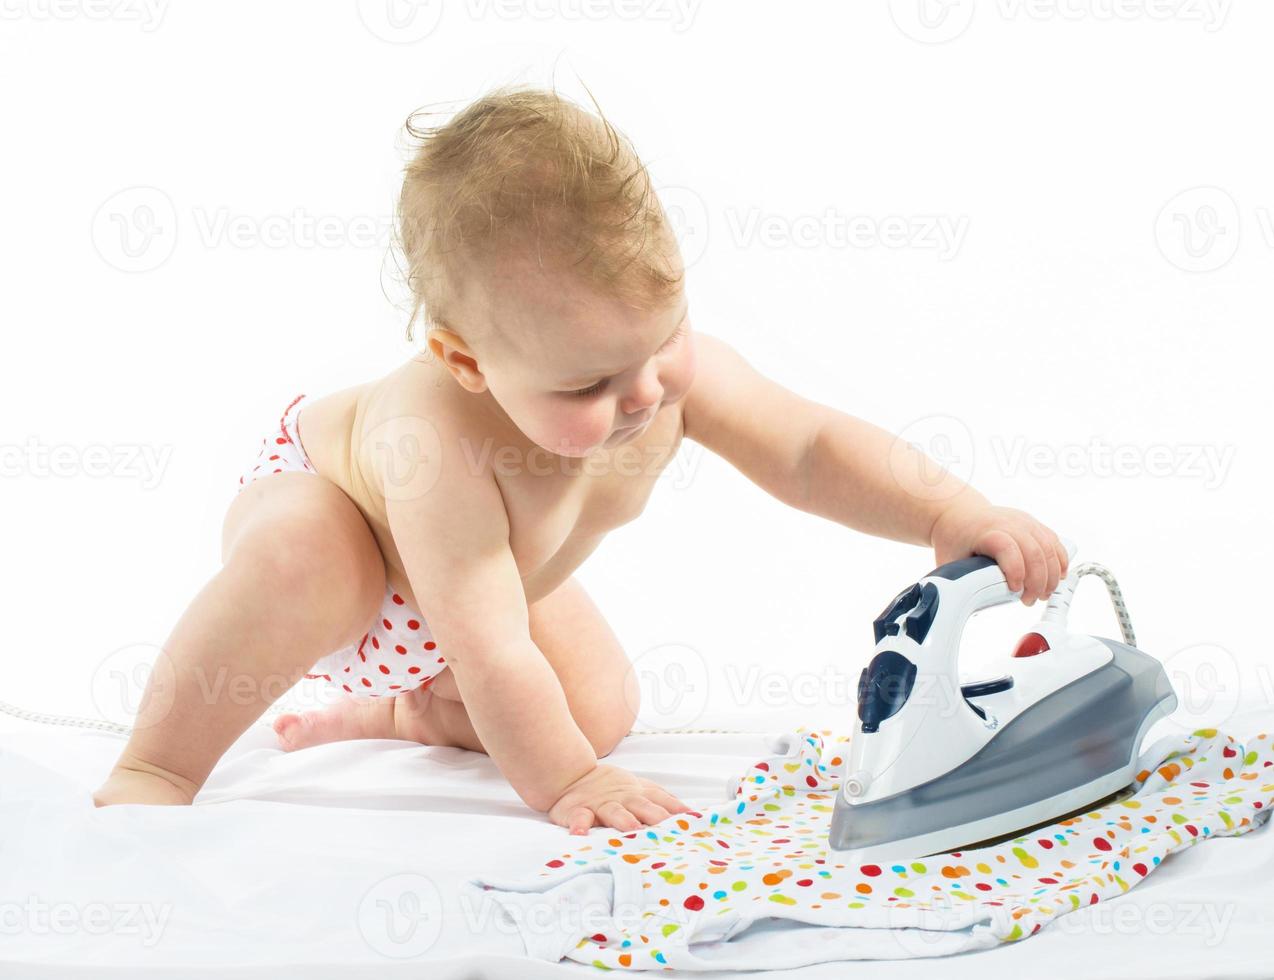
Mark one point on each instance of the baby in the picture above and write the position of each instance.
(413, 539)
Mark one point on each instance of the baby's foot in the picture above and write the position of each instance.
(406, 716)
(342, 721)
(140, 786)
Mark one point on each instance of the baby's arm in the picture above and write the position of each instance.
(454, 544)
(836, 466)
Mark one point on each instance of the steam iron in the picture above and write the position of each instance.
(935, 765)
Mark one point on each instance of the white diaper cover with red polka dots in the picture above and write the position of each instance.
(397, 653)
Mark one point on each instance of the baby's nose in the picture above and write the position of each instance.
(645, 392)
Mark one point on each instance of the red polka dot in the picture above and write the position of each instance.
(413, 624)
(693, 902)
(384, 669)
(376, 643)
(398, 600)
(281, 440)
(348, 688)
(1102, 843)
(394, 687)
(366, 682)
(430, 644)
(870, 870)
(413, 670)
(400, 648)
(388, 624)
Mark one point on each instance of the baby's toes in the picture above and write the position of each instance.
(310, 728)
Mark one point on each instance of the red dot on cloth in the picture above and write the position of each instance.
(398, 600)
(1102, 843)
(274, 457)
(413, 670)
(278, 471)
(384, 669)
(430, 644)
(347, 670)
(413, 624)
(388, 624)
(280, 440)
(394, 687)
(553, 864)
(805, 882)
(366, 682)
(1140, 869)
(348, 688)
(693, 902)
(400, 648)
(870, 870)
(376, 643)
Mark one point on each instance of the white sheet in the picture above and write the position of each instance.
(284, 866)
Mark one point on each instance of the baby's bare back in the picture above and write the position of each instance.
(559, 508)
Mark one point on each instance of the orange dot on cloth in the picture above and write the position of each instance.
(772, 879)
(863, 888)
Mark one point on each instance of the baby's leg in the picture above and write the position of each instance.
(302, 576)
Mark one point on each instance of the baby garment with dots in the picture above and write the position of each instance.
(751, 884)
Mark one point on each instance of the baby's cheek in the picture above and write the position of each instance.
(571, 431)
(680, 374)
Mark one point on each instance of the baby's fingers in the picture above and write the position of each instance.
(614, 814)
(580, 820)
(657, 794)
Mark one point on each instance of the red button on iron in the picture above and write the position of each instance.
(1030, 645)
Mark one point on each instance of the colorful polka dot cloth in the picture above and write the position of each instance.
(751, 884)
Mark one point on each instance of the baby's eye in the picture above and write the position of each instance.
(590, 390)
(673, 339)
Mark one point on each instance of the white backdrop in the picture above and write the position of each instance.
(1034, 237)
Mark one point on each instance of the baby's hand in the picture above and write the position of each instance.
(1030, 554)
(612, 797)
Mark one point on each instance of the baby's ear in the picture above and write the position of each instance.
(451, 350)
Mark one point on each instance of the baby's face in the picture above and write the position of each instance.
(574, 369)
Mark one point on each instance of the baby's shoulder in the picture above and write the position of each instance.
(412, 420)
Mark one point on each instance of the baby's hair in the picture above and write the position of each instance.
(524, 168)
